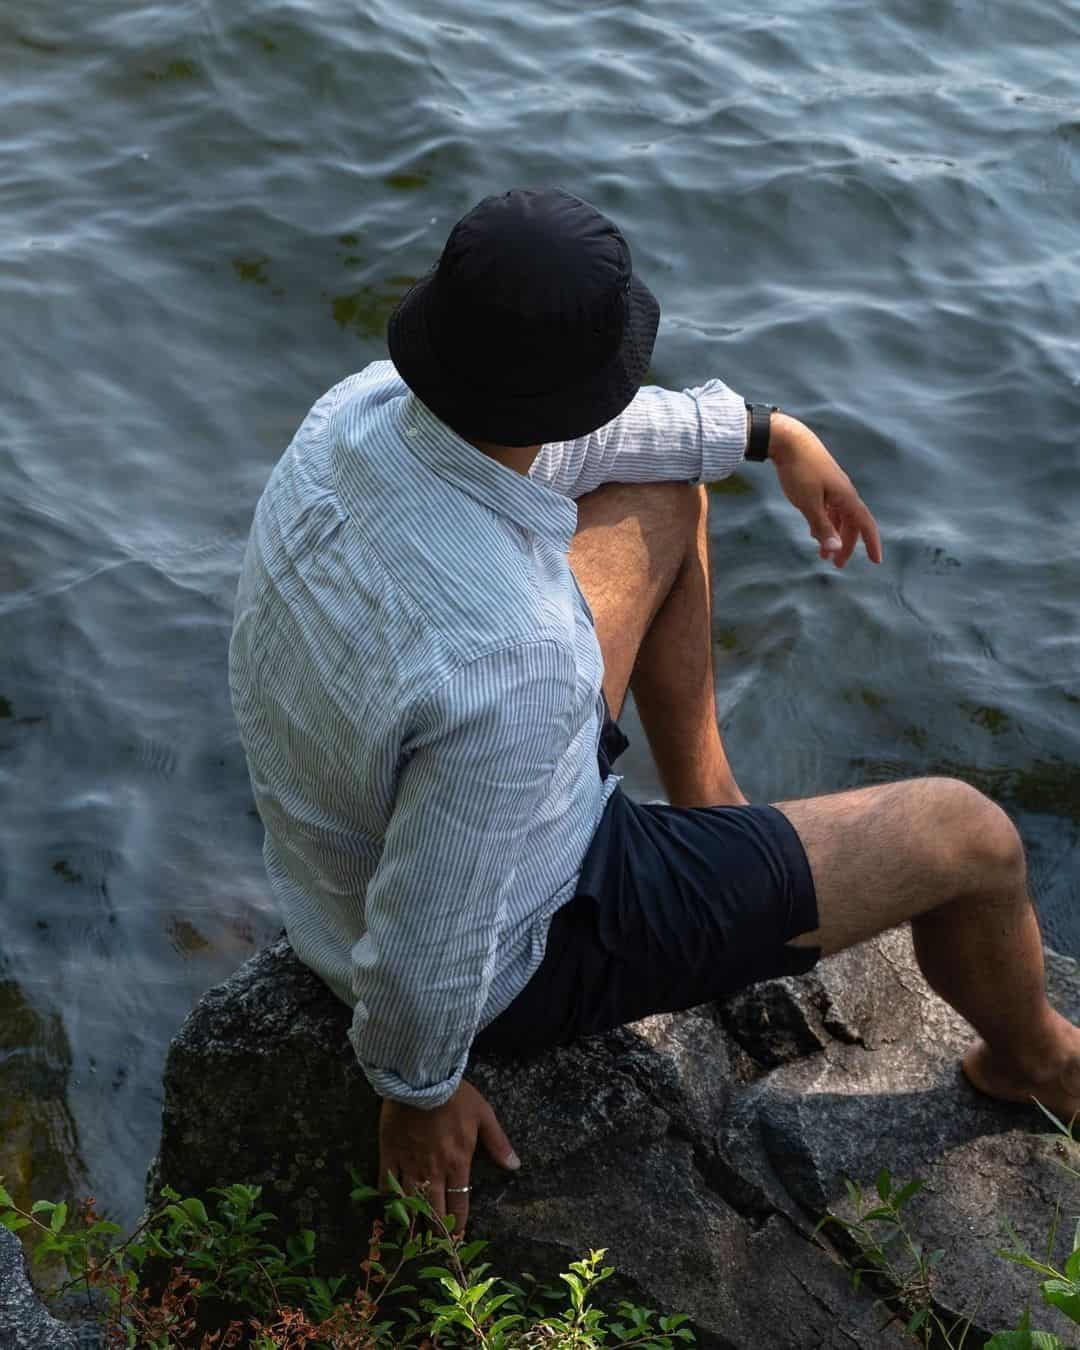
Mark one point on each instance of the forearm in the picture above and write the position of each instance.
(662, 436)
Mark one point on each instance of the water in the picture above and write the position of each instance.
(864, 213)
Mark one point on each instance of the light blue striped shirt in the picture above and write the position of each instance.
(417, 683)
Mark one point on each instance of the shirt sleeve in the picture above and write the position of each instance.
(698, 435)
(480, 765)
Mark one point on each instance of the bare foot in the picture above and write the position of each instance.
(1055, 1084)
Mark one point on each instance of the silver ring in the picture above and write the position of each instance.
(458, 1190)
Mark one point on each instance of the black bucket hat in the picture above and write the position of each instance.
(531, 327)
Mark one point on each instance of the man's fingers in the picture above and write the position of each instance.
(823, 530)
(849, 535)
(413, 1185)
(457, 1202)
(869, 531)
(437, 1198)
(839, 528)
(496, 1142)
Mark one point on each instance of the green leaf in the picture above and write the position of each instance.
(1058, 1125)
(475, 1292)
(1063, 1294)
(504, 1324)
(1024, 1340)
(916, 1321)
(301, 1246)
(905, 1193)
(1022, 1259)
(493, 1304)
(471, 1250)
(577, 1289)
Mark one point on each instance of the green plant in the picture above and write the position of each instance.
(895, 1261)
(1059, 1288)
(221, 1283)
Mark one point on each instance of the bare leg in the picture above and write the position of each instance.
(937, 852)
(673, 681)
(640, 555)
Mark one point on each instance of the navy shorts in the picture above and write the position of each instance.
(675, 906)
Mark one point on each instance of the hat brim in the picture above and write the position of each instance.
(483, 414)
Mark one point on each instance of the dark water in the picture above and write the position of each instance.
(866, 213)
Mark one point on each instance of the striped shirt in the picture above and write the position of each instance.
(417, 684)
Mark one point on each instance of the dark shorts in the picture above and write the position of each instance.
(675, 906)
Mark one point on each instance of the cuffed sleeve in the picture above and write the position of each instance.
(698, 435)
(479, 764)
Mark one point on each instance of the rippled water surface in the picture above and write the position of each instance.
(866, 213)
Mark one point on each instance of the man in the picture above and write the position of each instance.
(429, 637)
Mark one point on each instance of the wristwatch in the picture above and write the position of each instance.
(757, 442)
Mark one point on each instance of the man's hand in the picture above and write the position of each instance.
(815, 484)
(436, 1147)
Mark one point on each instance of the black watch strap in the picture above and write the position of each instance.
(757, 443)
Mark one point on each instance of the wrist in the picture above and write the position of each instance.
(787, 435)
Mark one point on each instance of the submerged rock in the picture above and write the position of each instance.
(700, 1148)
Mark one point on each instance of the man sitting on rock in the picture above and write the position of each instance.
(463, 561)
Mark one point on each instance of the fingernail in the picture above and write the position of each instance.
(512, 1160)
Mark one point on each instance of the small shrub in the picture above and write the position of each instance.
(221, 1283)
(896, 1262)
(893, 1259)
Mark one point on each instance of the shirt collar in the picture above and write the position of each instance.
(503, 490)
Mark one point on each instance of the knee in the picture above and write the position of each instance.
(983, 849)
(693, 504)
(688, 500)
(683, 507)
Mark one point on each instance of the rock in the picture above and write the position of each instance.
(24, 1322)
(868, 996)
(679, 1245)
(904, 1105)
(700, 1148)
(39, 1146)
(262, 1086)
